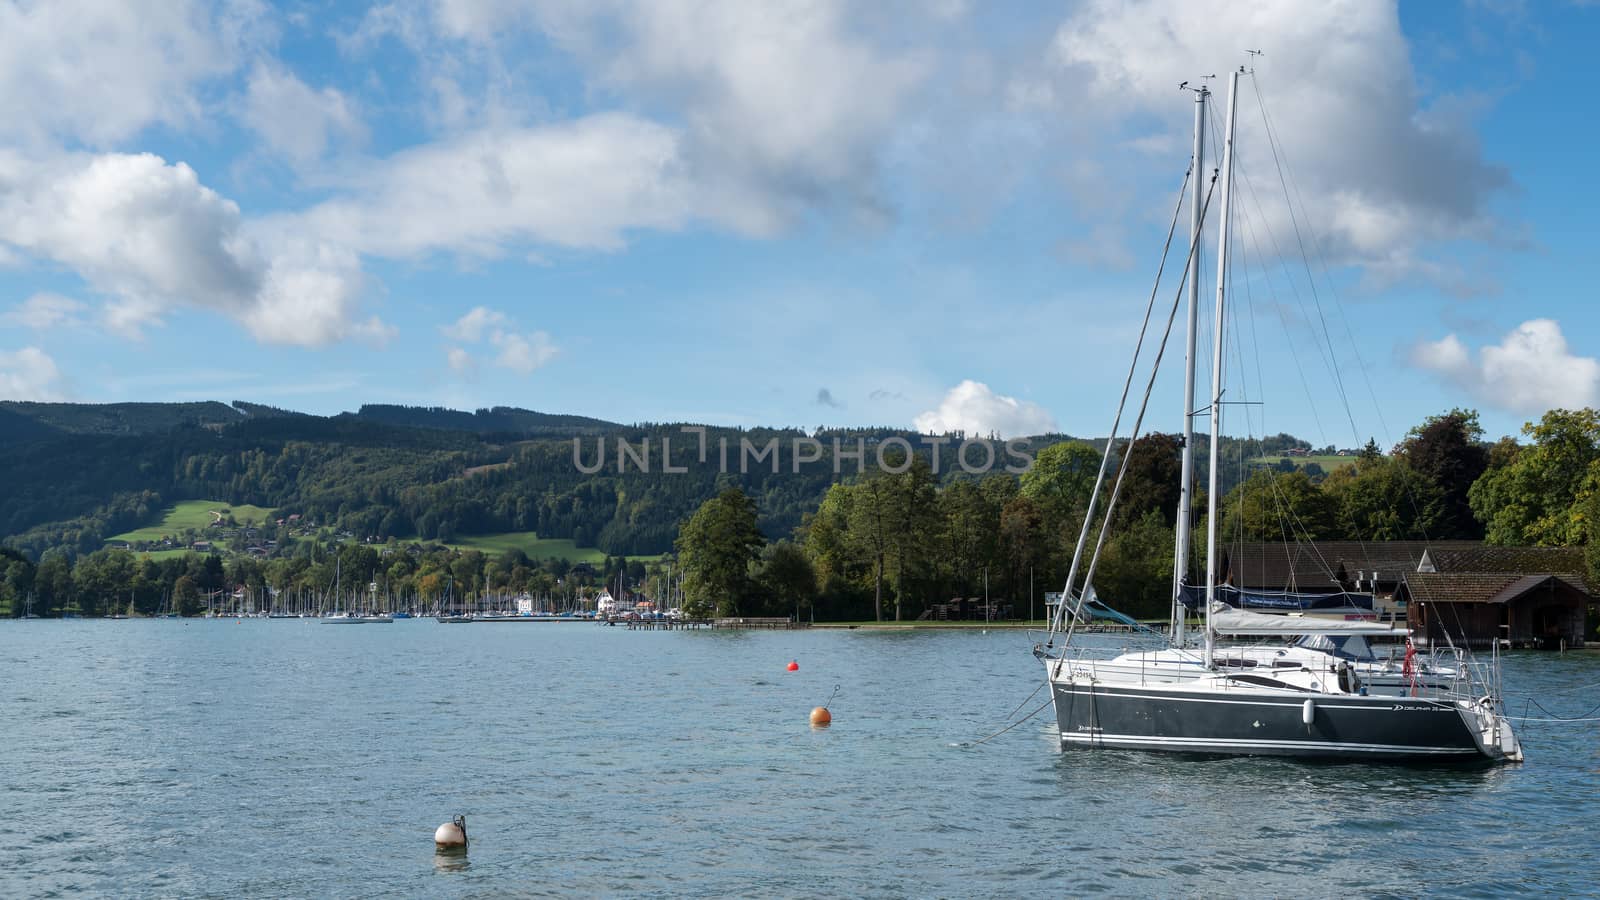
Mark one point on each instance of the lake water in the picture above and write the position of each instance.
(284, 758)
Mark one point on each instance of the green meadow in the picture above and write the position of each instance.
(1328, 462)
(196, 514)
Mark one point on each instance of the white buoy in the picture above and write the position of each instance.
(451, 835)
(1308, 712)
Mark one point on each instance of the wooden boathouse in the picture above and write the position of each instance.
(1519, 596)
(1467, 591)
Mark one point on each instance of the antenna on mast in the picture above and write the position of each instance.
(1251, 69)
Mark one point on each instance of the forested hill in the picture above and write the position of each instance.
(80, 474)
(498, 420)
(21, 420)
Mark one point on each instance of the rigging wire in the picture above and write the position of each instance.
(1116, 423)
(1322, 261)
(1133, 435)
(1294, 220)
(1289, 521)
(1285, 179)
(1243, 172)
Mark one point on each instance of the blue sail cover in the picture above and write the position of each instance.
(1194, 595)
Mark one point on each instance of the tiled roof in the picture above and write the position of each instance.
(1313, 566)
(1482, 587)
(1456, 588)
(1527, 560)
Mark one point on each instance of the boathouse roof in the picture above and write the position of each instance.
(1326, 565)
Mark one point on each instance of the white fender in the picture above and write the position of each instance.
(1308, 712)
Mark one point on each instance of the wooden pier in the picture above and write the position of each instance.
(775, 623)
(735, 622)
(660, 624)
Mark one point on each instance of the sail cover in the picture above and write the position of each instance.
(1227, 620)
(1283, 601)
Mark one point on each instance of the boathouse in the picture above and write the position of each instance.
(1471, 591)
(1520, 596)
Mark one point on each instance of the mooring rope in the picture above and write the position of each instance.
(1586, 717)
(1013, 724)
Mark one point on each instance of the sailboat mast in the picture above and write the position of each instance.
(1180, 560)
(1216, 358)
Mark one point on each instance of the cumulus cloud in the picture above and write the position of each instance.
(520, 352)
(98, 71)
(470, 327)
(44, 311)
(29, 374)
(296, 120)
(785, 106)
(975, 409)
(151, 237)
(1530, 371)
(1382, 175)
(576, 184)
(523, 353)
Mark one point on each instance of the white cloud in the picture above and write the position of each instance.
(973, 408)
(44, 311)
(1447, 356)
(1530, 371)
(294, 119)
(519, 352)
(151, 237)
(785, 107)
(575, 184)
(1382, 175)
(470, 327)
(29, 374)
(99, 71)
(524, 353)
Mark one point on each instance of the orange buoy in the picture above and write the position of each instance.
(793, 666)
(821, 718)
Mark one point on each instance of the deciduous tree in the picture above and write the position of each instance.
(715, 548)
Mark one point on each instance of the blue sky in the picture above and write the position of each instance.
(937, 214)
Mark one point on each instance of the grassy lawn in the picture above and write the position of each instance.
(533, 545)
(1327, 462)
(194, 514)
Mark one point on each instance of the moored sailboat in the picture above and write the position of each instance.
(1302, 699)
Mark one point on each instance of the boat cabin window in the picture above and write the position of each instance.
(1263, 681)
(1344, 646)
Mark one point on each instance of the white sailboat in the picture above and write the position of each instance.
(351, 616)
(1307, 701)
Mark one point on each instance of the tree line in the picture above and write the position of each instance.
(892, 545)
(318, 574)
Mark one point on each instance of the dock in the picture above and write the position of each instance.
(733, 622)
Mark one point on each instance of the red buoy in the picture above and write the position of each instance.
(794, 666)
